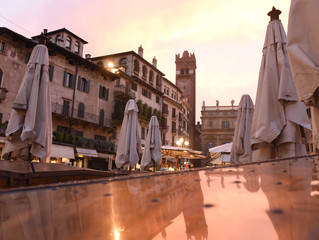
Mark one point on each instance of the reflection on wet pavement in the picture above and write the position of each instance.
(274, 200)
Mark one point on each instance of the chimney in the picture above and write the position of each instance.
(274, 14)
(88, 56)
(154, 62)
(140, 51)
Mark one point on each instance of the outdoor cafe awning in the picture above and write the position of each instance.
(86, 152)
(62, 151)
(180, 152)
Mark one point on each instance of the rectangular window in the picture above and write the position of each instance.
(69, 80)
(143, 133)
(173, 127)
(134, 86)
(174, 113)
(157, 99)
(66, 107)
(2, 46)
(100, 138)
(0, 117)
(173, 141)
(225, 124)
(210, 123)
(149, 95)
(63, 129)
(144, 92)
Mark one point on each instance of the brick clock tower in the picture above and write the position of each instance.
(186, 82)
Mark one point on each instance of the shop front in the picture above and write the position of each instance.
(61, 154)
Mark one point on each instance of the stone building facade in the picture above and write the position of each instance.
(88, 95)
(175, 114)
(218, 125)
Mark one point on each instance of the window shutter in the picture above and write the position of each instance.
(88, 86)
(107, 95)
(79, 82)
(64, 78)
(51, 69)
(100, 91)
(73, 81)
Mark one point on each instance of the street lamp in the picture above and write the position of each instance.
(181, 142)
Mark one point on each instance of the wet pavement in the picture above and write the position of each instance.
(273, 200)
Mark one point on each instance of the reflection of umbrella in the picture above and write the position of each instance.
(303, 53)
(152, 150)
(129, 140)
(279, 118)
(241, 151)
(30, 122)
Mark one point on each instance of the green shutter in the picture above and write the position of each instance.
(88, 86)
(64, 78)
(51, 69)
(79, 82)
(72, 81)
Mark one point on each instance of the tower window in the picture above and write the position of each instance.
(68, 42)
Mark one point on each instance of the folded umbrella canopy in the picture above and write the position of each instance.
(30, 123)
(129, 142)
(279, 117)
(152, 150)
(303, 51)
(240, 150)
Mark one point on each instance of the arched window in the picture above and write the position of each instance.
(1, 74)
(158, 81)
(101, 118)
(58, 39)
(77, 47)
(68, 42)
(81, 110)
(144, 72)
(123, 62)
(136, 66)
(151, 78)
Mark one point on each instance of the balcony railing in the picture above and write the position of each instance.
(98, 145)
(121, 89)
(81, 115)
(165, 127)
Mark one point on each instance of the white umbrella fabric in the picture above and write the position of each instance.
(240, 150)
(303, 53)
(30, 122)
(152, 150)
(130, 141)
(279, 117)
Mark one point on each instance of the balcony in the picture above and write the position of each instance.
(165, 128)
(122, 92)
(80, 116)
(98, 145)
(165, 112)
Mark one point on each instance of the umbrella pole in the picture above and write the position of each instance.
(30, 160)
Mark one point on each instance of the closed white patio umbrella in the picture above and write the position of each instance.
(279, 119)
(152, 155)
(30, 125)
(129, 142)
(240, 150)
(303, 51)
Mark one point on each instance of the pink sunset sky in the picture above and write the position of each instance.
(226, 36)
